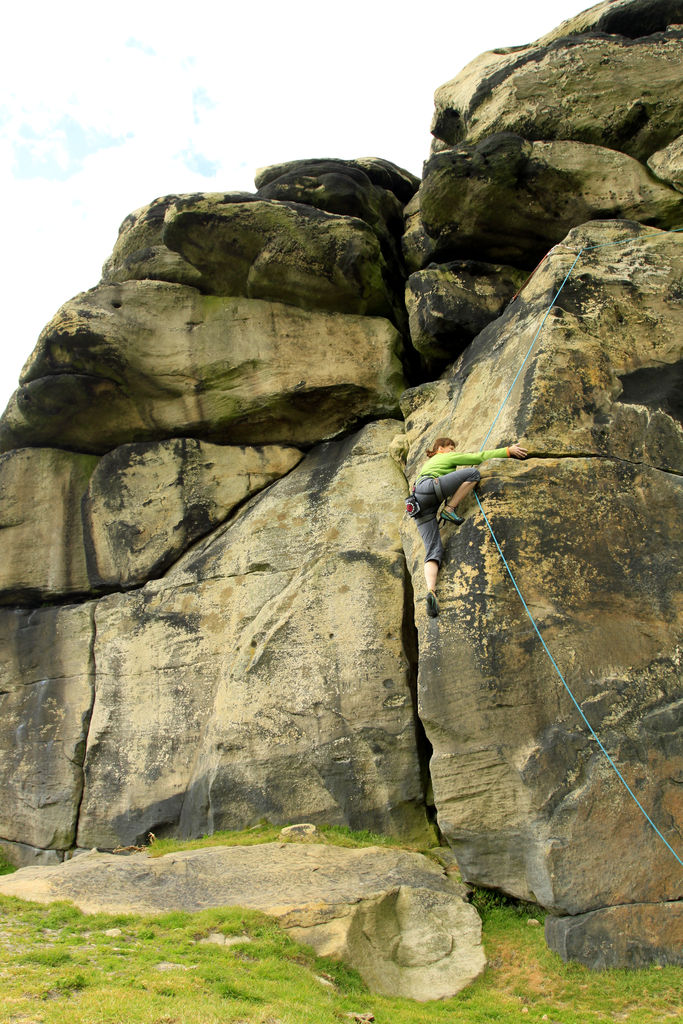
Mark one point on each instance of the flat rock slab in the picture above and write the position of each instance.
(394, 916)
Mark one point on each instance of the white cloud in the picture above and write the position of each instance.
(106, 107)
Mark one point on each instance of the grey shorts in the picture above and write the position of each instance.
(429, 503)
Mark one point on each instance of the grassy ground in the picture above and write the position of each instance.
(59, 966)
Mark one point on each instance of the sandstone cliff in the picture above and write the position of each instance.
(211, 604)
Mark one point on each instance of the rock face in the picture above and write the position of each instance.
(211, 610)
(343, 187)
(287, 253)
(140, 253)
(630, 18)
(394, 916)
(590, 533)
(47, 683)
(667, 164)
(281, 646)
(42, 543)
(147, 503)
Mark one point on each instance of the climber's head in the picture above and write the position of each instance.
(442, 444)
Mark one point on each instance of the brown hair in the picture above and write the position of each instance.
(441, 442)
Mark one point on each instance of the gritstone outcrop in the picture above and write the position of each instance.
(210, 604)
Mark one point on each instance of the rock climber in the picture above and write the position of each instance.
(440, 479)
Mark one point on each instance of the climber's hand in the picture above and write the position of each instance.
(516, 452)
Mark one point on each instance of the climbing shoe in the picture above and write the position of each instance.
(449, 516)
(432, 604)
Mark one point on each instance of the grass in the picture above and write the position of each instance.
(335, 835)
(59, 966)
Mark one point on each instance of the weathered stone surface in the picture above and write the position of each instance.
(667, 164)
(630, 18)
(448, 305)
(418, 247)
(42, 549)
(627, 936)
(140, 253)
(339, 186)
(273, 670)
(508, 200)
(303, 831)
(524, 797)
(539, 92)
(286, 252)
(394, 916)
(384, 173)
(603, 377)
(372, 189)
(73, 524)
(526, 800)
(147, 360)
(146, 503)
(46, 686)
(269, 673)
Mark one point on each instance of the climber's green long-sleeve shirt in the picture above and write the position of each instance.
(446, 462)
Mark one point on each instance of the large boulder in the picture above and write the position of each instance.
(382, 173)
(449, 304)
(371, 189)
(508, 200)
(73, 524)
(284, 251)
(139, 251)
(47, 686)
(539, 92)
(525, 797)
(603, 377)
(342, 187)
(148, 360)
(418, 247)
(394, 916)
(270, 672)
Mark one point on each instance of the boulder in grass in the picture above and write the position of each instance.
(394, 916)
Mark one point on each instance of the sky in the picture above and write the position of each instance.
(104, 107)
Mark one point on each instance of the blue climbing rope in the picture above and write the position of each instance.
(509, 571)
(564, 683)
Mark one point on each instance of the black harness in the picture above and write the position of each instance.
(413, 507)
